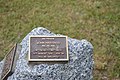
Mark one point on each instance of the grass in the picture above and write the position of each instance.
(98, 21)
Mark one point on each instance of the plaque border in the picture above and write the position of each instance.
(48, 60)
(14, 47)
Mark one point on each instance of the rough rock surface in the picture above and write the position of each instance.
(79, 67)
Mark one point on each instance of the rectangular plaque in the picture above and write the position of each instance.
(48, 48)
(10, 61)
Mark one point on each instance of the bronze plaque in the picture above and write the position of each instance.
(9, 63)
(48, 48)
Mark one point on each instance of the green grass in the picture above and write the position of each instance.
(98, 21)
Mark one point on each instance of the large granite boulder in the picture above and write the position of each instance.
(79, 67)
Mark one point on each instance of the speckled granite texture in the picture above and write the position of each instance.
(79, 67)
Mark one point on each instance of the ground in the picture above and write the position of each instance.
(98, 21)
